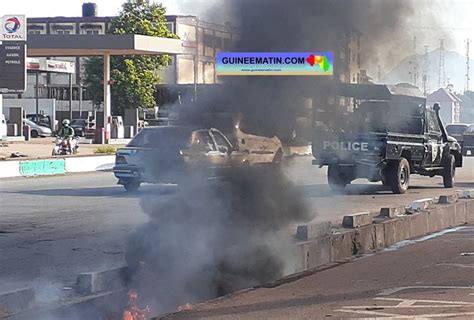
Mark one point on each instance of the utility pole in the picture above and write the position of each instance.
(468, 65)
(379, 70)
(415, 62)
(442, 65)
(426, 68)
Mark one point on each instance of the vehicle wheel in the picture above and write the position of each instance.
(34, 134)
(132, 186)
(337, 178)
(449, 171)
(398, 175)
(278, 157)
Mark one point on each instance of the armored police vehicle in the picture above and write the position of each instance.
(389, 134)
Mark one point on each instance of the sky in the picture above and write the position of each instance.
(432, 19)
(47, 8)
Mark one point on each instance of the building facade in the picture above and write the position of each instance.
(449, 102)
(206, 38)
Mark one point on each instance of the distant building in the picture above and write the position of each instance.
(207, 39)
(449, 102)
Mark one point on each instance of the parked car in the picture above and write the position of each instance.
(3, 126)
(79, 126)
(42, 120)
(166, 154)
(456, 130)
(468, 139)
(37, 130)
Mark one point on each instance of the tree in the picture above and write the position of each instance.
(134, 77)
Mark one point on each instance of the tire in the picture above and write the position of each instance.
(398, 176)
(449, 171)
(337, 178)
(34, 134)
(132, 186)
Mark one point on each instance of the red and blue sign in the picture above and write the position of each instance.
(12, 25)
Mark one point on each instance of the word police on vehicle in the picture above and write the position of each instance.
(346, 146)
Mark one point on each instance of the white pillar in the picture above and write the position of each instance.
(2, 128)
(107, 108)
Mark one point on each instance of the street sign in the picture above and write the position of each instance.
(12, 67)
(56, 66)
(13, 54)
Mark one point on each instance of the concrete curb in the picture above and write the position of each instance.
(95, 282)
(17, 301)
(54, 166)
(382, 232)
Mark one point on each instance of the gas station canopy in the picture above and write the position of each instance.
(98, 45)
(105, 45)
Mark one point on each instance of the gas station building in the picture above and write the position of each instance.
(105, 45)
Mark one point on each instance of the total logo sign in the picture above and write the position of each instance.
(13, 28)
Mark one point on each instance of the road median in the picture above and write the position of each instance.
(55, 166)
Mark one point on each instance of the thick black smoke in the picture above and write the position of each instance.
(213, 238)
(271, 104)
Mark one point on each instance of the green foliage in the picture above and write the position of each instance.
(135, 77)
(105, 150)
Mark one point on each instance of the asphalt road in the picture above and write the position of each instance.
(425, 280)
(52, 228)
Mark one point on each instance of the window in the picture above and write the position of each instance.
(201, 142)
(92, 31)
(221, 141)
(227, 44)
(208, 40)
(34, 31)
(63, 31)
(170, 26)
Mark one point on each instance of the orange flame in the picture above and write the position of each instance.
(185, 307)
(133, 312)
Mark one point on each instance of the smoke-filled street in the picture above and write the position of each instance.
(53, 228)
(159, 157)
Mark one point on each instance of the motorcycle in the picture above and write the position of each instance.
(61, 147)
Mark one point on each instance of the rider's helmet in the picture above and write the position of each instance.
(66, 122)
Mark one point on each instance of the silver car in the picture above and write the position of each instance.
(165, 154)
(37, 130)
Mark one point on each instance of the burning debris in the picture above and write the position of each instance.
(133, 312)
(185, 307)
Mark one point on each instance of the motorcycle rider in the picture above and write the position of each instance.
(66, 132)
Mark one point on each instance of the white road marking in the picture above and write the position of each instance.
(413, 304)
(388, 292)
(424, 301)
(456, 265)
